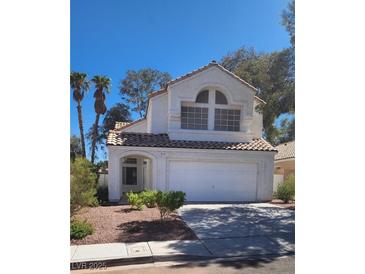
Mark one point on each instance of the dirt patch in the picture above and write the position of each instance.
(289, 205)
(121, 224)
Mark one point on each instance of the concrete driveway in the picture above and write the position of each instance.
(242, 229)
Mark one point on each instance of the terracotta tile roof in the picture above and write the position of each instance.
(285, 151)
(118, 138)
(211, 64)
(120, 125)
(123, 125)
(157, 92)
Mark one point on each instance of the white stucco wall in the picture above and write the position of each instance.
(137, 127)
(163, 176)
(157, 114)
(238, 95)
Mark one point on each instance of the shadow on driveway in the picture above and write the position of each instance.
(242, 230)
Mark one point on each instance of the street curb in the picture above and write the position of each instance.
(95, 264)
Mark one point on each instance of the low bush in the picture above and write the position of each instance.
(167, 202)
(83, 185)
(149, 198)
(286, 190)
(135, 200)
(80, 229)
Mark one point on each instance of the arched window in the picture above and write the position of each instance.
(220, 98)
(203, 97)
(222, 116)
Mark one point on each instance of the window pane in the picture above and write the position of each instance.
(203, 97)
(226, 120)
(196, 118)
(131, 175)
(220, 98)
(130, 161)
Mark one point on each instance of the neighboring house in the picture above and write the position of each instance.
(201, 135)
(284, 162)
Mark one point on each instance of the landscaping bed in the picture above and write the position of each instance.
(281, 203)
(123, 224)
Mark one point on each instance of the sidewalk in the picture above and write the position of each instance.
(100, 255)
(141, 252)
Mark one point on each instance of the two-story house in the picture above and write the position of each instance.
(201, 135)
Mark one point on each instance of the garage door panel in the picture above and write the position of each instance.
(214, 181)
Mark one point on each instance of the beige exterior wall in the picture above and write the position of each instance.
(285, 167)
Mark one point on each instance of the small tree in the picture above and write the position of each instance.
(149, 198)
(83, 185)
(80, 229)
(135, 200)
(167, 202)
(75, 147)
(286, 190)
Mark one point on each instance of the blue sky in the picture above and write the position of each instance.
(108, 37)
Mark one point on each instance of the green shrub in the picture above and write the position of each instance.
(80, 229)
(135, 200)
(102, 193)
(149, 198)
(167, 202)
(83, 185)
(286, 190)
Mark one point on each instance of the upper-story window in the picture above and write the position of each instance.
(220, 98)
(203, 97)
(210, 111)
(227, 119)
(194, 118)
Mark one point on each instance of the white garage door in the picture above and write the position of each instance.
(214, 181)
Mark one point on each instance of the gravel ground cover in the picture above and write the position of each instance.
(121, 224)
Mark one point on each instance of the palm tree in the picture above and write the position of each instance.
(80, 85)
(102, 83)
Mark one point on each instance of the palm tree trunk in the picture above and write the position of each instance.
(95, 135)
(81, 129)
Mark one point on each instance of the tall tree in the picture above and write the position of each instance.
(269, 73)
(95, 138)
(286, 131)
(274, 76)
(102, 85)
(117, 113)
(288, 21)
(236, 58)
(80, 85)
(136, 86)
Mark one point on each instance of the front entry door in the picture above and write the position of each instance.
(132, 178)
